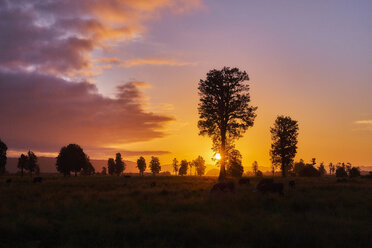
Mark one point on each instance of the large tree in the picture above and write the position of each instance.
(284, 147)
(71, 158)
(224, 110)
(155, 165)
(141, 165)
(3, 149)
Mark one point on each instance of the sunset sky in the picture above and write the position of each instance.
(122, 75)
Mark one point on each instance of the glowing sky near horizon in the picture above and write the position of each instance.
(307, 59)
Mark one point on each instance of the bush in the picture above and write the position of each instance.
(309, 171)
(354, 172)
(341, 172)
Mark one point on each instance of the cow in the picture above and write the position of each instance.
(292, 184)
(153, 184)
(37, 180)
(223, 187)
(244, 181)
(268, 185)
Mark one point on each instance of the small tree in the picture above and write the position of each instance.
(255, 168)
(322, 169)
(235, 168)
(141, 165)
(22, 163)
(155, 165)
(71, 158)
(260, 174)
(3, 158)
(88, 169)
(32, 162)
(104, 171)
(119, 164)
(284, 147)
(175, 166)
(183, 168)
(199, 163)
(111, 166)
(331, 169)
(354, 172)
(341, 172)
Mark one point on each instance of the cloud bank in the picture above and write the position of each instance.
(46, 62)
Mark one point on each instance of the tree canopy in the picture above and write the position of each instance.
(224, 110)
(71, 158)
(155, 165)
(284, 147)
(183, 168)
(141, 165)
(200, 167)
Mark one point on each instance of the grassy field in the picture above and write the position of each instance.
(109, 211)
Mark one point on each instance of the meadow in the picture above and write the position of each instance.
(112, 211)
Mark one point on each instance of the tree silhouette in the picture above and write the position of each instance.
(111, 166)
(331, 168)
(155, 165)
(183, 168)
(88, 169)
(22, 163)
(199, 163)
(235, 168)
(3, 158)
(255, 168)
(32, 162)
(224, 110)
(175, 166)
(322, 169)
(341, 172)
(71, 158)
(141, 165)
(119, 164)
(104, 171)
(284, 147)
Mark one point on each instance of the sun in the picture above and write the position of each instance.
(217, 156)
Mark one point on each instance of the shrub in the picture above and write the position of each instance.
(341, 172)
(309, 171)
(354, 172)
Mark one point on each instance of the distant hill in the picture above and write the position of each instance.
(48, 165)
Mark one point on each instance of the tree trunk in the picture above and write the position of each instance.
(222, 175)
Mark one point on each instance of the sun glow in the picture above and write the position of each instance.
(217, 156)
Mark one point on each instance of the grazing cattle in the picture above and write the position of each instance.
(153, 184)
(244, 181)
(8, 181)
(292, 184)
(268, 185)
(37, 180)
(223, 187)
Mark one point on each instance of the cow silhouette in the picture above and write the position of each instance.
(268, 186)
(37, 180)
(223, 187)
(244, 181)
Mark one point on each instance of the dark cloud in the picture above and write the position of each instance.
(43, 113)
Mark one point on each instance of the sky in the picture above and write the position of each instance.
(122, 75)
